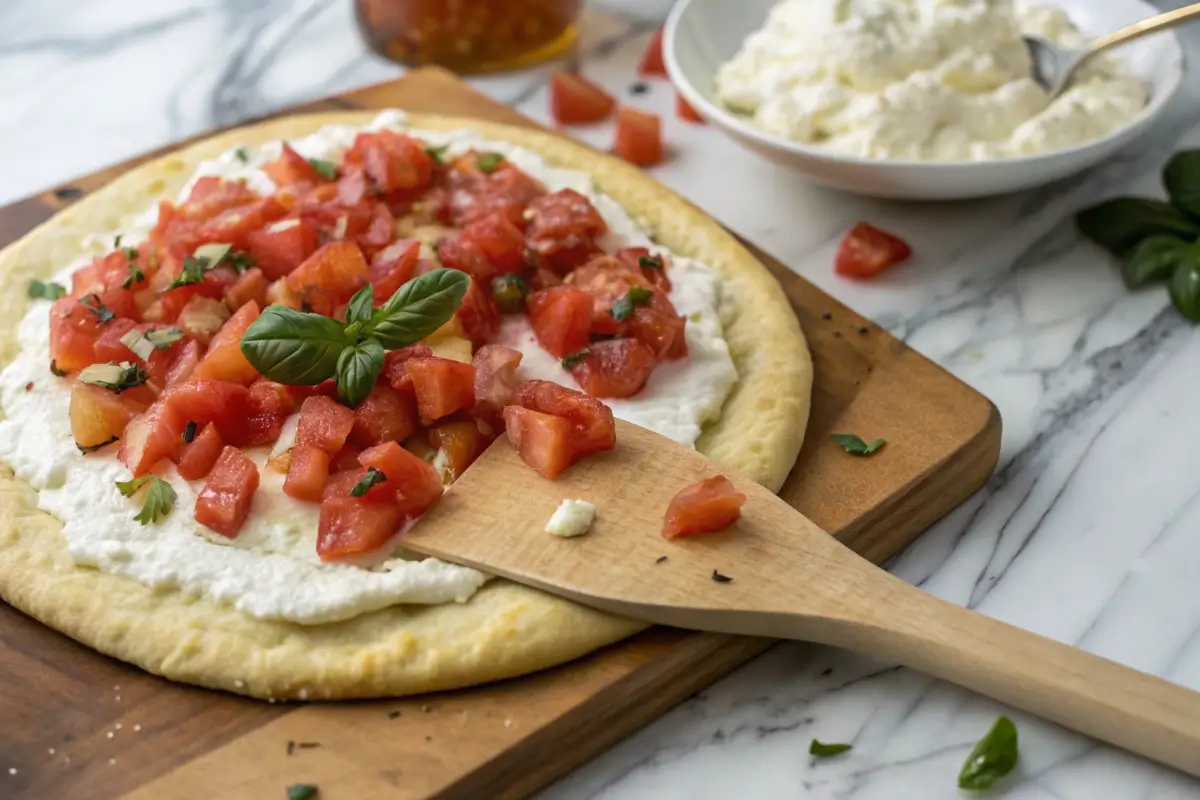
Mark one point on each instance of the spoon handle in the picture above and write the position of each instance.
(1142, 28)
(1080, 691)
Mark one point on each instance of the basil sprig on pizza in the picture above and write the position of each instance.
(230, 412)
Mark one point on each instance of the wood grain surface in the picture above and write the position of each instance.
(80, 725)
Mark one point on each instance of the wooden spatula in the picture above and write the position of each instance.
(788, 579)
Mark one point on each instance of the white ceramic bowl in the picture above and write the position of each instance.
(702, 34)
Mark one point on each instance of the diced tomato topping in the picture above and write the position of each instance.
(710, 505)
(606, 280)
(185, 362)
(575, 100)
(291, 167)
(478, 315)
(110, 348)
(115, 271)
(652, 62)
(224, 502)
(201, 453)
(99, 415)
(352, 186)
(866, 251)
(380, 231)
(73, 334)
(210, 196)
(234, 225)
(563, 228)
(351, 527)
(473, 194)
(324, 423)
(616, 368)
(489, 246)
(224, 360)
(392, 267)
(561, 318)
(150, 437)
(307, 474)
(543, 441)
(651, 266)
(392, 160)
(346, 458)
(638, 137)
(201, 318)
(442, 387)
(279, 294)
(330, 276)
(416, 484)
(461, 442)
(270, 398)
(282, 246)
(495, 377)
(395, 365)
(252, 285)
(659, 327)
(684, 110)
(592, 425)
(201, 400)
(384, 416)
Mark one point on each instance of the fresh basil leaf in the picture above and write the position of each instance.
(822, 750)
(1118, 224)
(993, 757)
(114, 377)
(294, 347)
(489, 162)
(361, 306)
(371, 477)
(1181, 176)
(163, 338)
(1184, 286)
(419, 308)
(326, 169)
(437, 153)
(636, 296)
(574, 358)
(94, 304)
(135, 276)
(192, 273)
(358, 368)
(853, 444)
(301, 791)
(1154, 258)
(45, 290)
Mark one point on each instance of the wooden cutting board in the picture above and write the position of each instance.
(80, 725)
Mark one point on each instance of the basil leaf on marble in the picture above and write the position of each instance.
(1184, 286)
(1181, 177)
(296, 348)
(419, 308)
(822, 750)
(854, 444)
(1120, 223)
(358, 368)
(1154, 258)
(993, 757)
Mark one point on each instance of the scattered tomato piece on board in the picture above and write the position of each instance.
(865, 251)
(638, 137)
(684, 110)
(710, 505)
(574, 100)
(652, 59)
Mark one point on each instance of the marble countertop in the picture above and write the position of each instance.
(1089, 532)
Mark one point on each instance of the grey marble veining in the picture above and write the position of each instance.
(1089, 532)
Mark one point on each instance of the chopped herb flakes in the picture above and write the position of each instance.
(636, 296)
(369, 479)
(93, 304)
(574, 358)
(822, 750)
(242, 155)
(853, 444)
(326, 169)
(159, 497)
(489, 162)
(116, 377)
(91, 448)
(438, 153)
(135, 275)
(719, 578)
(301, 791)
(45, 290)
(650, 262)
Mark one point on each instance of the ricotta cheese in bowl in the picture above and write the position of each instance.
(920, 80)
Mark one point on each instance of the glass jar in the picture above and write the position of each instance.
(469, 36)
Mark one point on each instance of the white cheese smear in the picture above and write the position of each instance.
(923, 80)
(271, 570)
(572, 518)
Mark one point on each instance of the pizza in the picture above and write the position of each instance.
(234, 376)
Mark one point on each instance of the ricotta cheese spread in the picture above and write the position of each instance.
(271, 570)
(923, 80)
(571, 518)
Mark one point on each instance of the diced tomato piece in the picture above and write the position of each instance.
(352, 186)
(563, 228)
(211, 195)
(224, 502)
(442, 387)
(380, 231)
(110, 348)
(184, 364)
(615, 368)
(282, 246)
(659, 327)
(652, 267)
(478, 315)
(75, 326)
(291, 167)
(224, 360)
(652, 62)
(392, 267)
(866, 251)
(307, 474)
(234, 225)
(384, 416)
(324, 423)
(115, 271)
(150, 437)
(489, 246)
(473, 194)
(710, 505)
(268, 397)
(561, 318)
(99, 415)
(330, 276)
(575, 100)
(351, 528)
(593, 428)
(201, 453)
(252, 285)
(201, 318)
(606, 280)
(495, 377)
(200, 400)
(416, 484)
(278, 293)
(395, 365)
(684, 110)
(461, 442)
(346, 458)
(638, 137)
(543, 441)
(392, 160)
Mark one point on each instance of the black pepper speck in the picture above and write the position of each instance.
(639, 88)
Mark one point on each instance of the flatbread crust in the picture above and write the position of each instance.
(505, 629)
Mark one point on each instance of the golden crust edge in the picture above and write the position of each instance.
(513, 630)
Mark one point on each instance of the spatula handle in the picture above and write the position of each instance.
(1084, 692)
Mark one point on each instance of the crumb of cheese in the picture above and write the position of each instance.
(571, 518)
